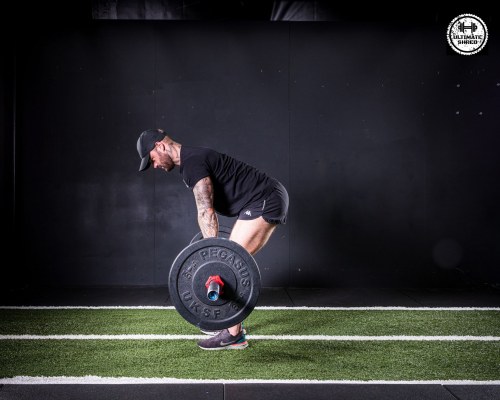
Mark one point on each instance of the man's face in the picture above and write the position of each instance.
(160, 158)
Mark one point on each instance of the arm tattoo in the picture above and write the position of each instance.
(204, 197)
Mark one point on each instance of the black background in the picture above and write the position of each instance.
(387, 141)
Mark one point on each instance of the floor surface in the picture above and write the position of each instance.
(337, 297)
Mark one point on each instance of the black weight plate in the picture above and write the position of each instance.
(224, 232)
(190, 271)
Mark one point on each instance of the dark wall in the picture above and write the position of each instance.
(7, 160)
(402, 138)
(387, 143)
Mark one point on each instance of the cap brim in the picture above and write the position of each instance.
(145, 163)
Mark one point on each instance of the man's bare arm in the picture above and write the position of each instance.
(204, 197)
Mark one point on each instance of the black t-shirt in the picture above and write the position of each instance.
(236, 184)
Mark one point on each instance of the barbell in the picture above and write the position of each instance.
(462, 27)
(214, 283)
(224, 232)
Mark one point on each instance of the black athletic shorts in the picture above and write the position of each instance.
(274, 209)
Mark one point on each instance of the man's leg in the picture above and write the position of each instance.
(252, 235)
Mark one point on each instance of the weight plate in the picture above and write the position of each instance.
(209, 257)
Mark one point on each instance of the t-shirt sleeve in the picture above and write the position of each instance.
(195, 168)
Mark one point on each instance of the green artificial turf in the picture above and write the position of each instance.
(264, 359)
(260, 322)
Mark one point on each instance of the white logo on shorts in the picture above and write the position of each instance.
(467, 34)
(248, 212)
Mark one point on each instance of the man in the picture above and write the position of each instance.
(221, 185)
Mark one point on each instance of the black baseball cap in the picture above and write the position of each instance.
(146, 143)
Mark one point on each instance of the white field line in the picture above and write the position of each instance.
(257, 337)
(96, 380)
(264, 308)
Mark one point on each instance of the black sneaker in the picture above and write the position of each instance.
(213, 333)
(208, 332)
(224, 340)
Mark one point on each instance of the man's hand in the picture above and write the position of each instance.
(204, 197)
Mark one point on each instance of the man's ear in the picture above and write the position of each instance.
(160, 146)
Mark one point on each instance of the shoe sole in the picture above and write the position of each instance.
(236, 346)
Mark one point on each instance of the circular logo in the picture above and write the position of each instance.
(467, 34)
